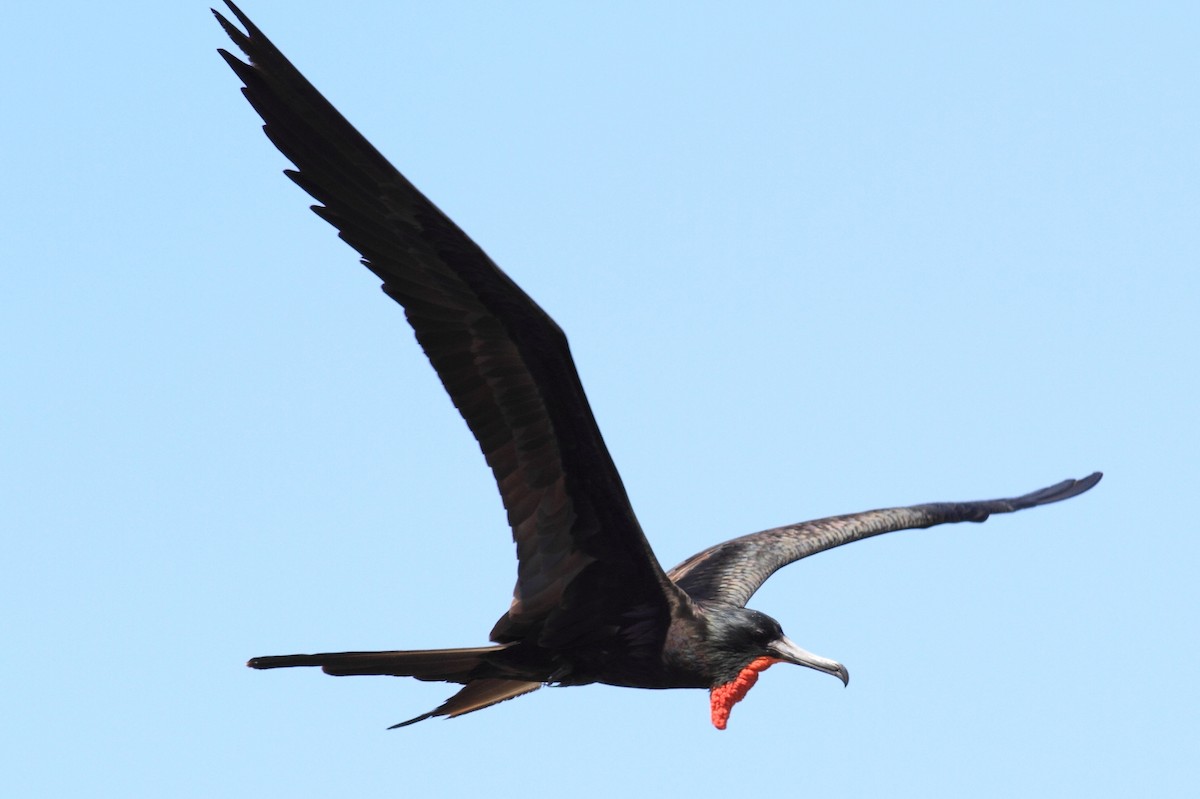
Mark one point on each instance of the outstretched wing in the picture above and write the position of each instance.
(583, 562)
(731, 572)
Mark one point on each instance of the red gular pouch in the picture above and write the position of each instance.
(724, 697)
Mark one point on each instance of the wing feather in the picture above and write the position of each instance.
(732, 571)
(502, 359)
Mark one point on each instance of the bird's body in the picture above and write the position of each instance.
(591, 602)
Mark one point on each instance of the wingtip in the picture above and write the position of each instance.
(1058, 492)
(1077, 487)
(224, 22)
(237, 12)
(1087, 483)
(243, 40)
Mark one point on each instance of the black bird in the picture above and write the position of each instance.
(591, 603)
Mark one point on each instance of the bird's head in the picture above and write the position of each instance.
(744, 643)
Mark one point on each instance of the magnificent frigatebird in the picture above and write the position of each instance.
(591, 603)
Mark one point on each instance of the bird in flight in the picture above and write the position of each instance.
(591, 602)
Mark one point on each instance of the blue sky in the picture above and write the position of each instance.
(812, 259)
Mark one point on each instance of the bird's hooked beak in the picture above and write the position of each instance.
(786, 650)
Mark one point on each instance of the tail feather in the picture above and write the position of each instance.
(469, 666)
(475, 695)
(449, 665)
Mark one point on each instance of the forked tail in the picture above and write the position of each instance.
(473, 667)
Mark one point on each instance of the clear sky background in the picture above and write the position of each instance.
(812, 258)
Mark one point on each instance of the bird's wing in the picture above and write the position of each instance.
(503, 360)
(731, 572)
